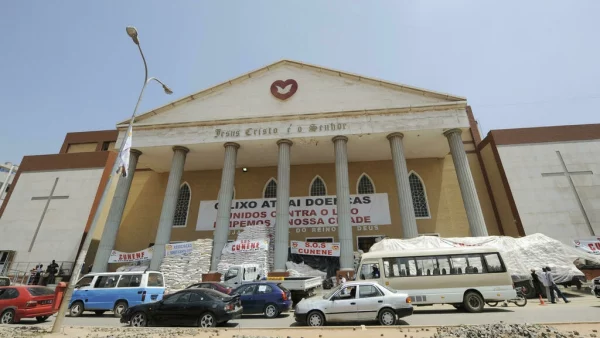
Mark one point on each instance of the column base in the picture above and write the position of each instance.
(278, 274)
(211, 277)
(349, 274)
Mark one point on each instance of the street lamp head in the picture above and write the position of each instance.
(167, 89)
(132, 32)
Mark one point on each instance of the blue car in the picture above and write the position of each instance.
(264, 297)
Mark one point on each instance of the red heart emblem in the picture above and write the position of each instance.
(283, 90)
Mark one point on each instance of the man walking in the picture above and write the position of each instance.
(553, 287)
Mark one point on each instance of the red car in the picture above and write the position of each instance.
(222, 288)
(25, 301)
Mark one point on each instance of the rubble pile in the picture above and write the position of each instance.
(182, 270)
(264, 258)
(502, 330)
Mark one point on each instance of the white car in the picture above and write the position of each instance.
(355, 302)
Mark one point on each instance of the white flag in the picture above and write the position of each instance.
(125, 153)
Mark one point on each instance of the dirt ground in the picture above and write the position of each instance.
(582, 330)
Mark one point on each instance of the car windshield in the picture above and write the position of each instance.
(332, 292)
(40, 291)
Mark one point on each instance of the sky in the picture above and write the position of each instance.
(69, 66)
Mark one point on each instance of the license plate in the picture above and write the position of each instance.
(46, 302)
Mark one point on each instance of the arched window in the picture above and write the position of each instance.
(365, 185)
(317, 187)
(182, 208)
(270, 190)
(419, 196)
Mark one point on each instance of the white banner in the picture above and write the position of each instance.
(372, 209)
(315, 248)
(246, 245)
(589, 245)
(127, 257)
(178, 248)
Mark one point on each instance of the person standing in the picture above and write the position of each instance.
(52, 271)
(553, 287)
(536, 283)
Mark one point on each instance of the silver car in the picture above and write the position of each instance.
(355, 302)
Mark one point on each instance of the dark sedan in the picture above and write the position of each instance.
(213, 286)
(264, 297)
(189, 307)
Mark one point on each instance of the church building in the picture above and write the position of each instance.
(326, 156)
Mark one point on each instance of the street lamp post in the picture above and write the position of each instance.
(60, 316)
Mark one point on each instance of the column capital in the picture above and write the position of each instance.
(232, 144)
(184, 149)
(449, 132)
(339, 138)
(135, 152)
(285, 141)
(392, 135)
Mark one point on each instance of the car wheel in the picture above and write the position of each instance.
(120, 308)
(41, 319)
(8, 317)
(271, 311)
(207, 320)
(99, 313)
(76, 309)
(387, 317)
(473, 302)
(315, 318)
(139, 320)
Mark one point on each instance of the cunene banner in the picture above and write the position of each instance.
(369, 209)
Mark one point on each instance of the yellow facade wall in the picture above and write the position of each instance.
(448, 216)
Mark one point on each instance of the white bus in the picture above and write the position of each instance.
(463, 277)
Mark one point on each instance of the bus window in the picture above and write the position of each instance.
(493, 263)
(369, 271)
(426, 266)
(459, 265)
(443, 265)
(475, 264)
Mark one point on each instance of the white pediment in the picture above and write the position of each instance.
(319, 91)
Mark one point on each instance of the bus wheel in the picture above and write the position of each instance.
(473, 302)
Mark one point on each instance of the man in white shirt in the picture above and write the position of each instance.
(544, 280)
(553, 287)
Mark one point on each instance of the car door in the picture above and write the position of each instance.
(247, 297)
(84, 291)
(263, 294)
(343, 306)
(168, 311)
(369, 301)
(198, 302)
(8, 297)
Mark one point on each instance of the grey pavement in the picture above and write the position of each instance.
(583, 308)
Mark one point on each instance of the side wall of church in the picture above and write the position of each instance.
(446, 209)
(548, 204)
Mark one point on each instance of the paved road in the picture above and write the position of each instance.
(583, 308)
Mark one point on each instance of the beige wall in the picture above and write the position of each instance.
(142, 213)
(500, 196)
(82, 147)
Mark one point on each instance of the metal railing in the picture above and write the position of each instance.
(20, 272)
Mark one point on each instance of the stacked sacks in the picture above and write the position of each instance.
(182, 270)
(264, 258)
(301, 269)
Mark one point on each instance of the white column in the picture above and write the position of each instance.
(343, 203)
(224, 208)
(407, 211)
(115, 215)
(466, 183)
(282, 222)
(165, 224)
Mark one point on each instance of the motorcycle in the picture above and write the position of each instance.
(520, 301)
